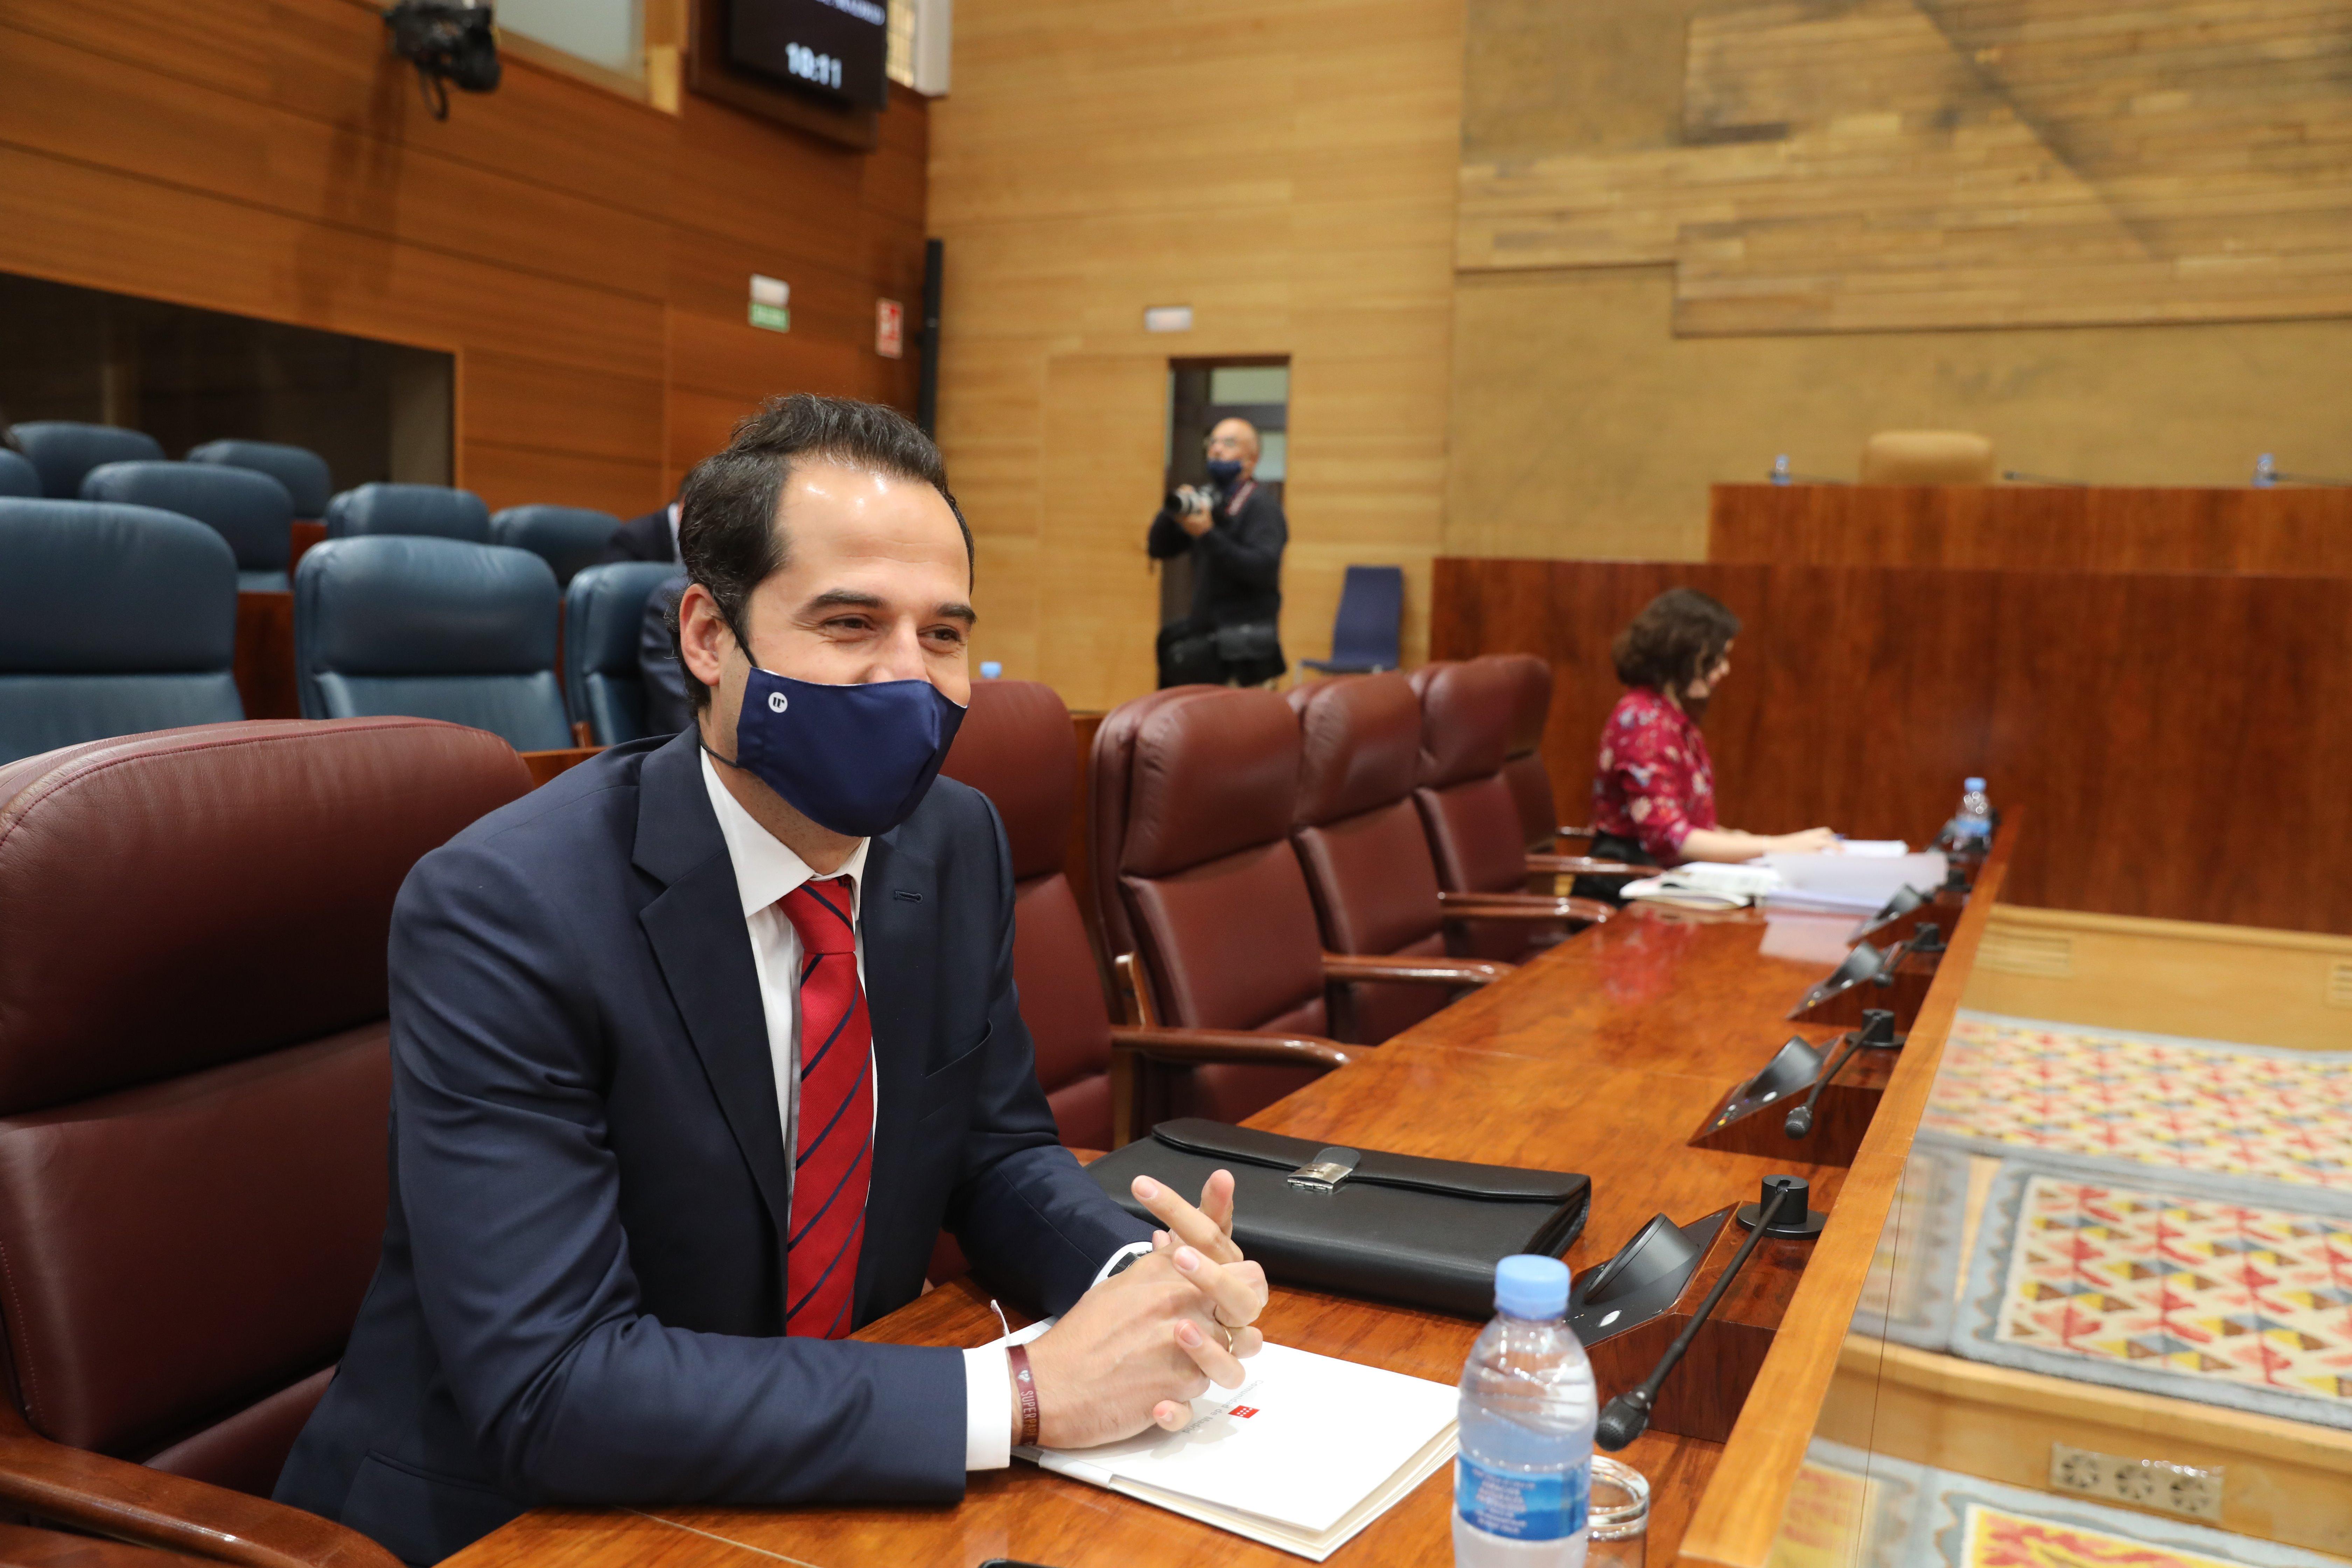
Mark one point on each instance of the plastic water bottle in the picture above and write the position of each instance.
(1971, 828)
(1524, 1478)
(989, 669)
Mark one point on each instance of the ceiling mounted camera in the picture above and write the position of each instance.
(446, 40)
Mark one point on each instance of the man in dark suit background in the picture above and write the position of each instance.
(1236, 537)
(668, 708)
(695, 1051)
(652, 536)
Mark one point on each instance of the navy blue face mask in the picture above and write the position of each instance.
(856, 759)
(1225, 470)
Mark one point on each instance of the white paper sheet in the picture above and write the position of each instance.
(1302, 1455)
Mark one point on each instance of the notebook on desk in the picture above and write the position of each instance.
(1302, 1455)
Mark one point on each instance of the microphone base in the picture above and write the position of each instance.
(1702, 1397)
(1784, 1228)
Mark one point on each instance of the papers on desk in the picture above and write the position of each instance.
(1301, 1456)
(1707, 885)
(1849, 883)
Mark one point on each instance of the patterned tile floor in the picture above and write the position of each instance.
(1853, 1510)
(2161, 1283)
(2234, 1111)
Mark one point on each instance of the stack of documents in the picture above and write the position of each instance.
(1849, 882)
(1301, 1456)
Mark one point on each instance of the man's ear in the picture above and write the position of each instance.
(703, 634)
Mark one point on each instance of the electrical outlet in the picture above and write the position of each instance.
(2141, 1483)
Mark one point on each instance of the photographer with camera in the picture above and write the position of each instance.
(1234, 531)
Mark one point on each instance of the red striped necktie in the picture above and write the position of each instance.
(834, 1163)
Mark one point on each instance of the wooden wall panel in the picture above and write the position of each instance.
(1887, 164)
(2291, 529)
(2181, 739)
(1286, 170)
(585, 257)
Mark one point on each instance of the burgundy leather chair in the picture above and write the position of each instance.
(1467, 807)
(1017, 747)
(1522, 763)
(1360, 841)
(1193, 790)
(194, 1085)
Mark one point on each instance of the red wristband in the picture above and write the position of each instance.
(1024, 1385)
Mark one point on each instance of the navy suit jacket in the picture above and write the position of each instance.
(580, 1296)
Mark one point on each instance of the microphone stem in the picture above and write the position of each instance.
(1764, 1218)
(1853, 1044)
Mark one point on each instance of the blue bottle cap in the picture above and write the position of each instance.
(1972, 784)
(1527, 1285)
(989, 669)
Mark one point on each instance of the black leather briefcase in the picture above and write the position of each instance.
(1426, 1233)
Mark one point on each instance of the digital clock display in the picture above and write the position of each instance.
(837, 49)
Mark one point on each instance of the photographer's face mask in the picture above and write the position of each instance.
(1225, 470)
(856, 759)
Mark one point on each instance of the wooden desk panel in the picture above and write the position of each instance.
(1598, 1056)
(2181, 738)
(2290, 531)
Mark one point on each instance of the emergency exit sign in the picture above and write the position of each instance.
(771, 300)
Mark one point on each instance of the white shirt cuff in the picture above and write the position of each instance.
(988, 1388)
(987, 1408)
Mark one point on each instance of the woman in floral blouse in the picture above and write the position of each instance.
(1653, 793)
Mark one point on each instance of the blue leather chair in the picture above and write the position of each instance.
(17, 475)
(113, 620)
(249, 510)
(309, 482)
(1367, 632)
(566, 537)
(65, 449)
(603, 609)
(437, 628)
(434, 510)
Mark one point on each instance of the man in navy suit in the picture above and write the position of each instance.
(697, 1050)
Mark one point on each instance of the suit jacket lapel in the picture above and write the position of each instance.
(900, 933)
(695, 927)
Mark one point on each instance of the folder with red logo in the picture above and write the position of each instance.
(1303, 1455)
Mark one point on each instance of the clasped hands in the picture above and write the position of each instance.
(1139, 1347)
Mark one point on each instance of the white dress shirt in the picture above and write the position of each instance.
(765, 871)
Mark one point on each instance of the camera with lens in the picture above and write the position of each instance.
(446, 40)
(1191, 498)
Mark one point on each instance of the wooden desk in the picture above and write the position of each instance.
(1601, 1055)
(2290, 531)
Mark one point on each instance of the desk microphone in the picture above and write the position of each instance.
(1877, 1031)
(1927, 938)
(1627, 1417)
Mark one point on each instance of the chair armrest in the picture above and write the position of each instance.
(1417, 971)
(152, 1507)
(1585, 866)
(1521, 907)
(1167, 1044)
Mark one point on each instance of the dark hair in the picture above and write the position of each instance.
(728, 539)
(1676, 638)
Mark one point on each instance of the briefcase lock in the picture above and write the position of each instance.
(1326, 1170)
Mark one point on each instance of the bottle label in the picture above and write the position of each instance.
(1544, 1505)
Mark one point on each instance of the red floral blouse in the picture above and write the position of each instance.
(1656, 780)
